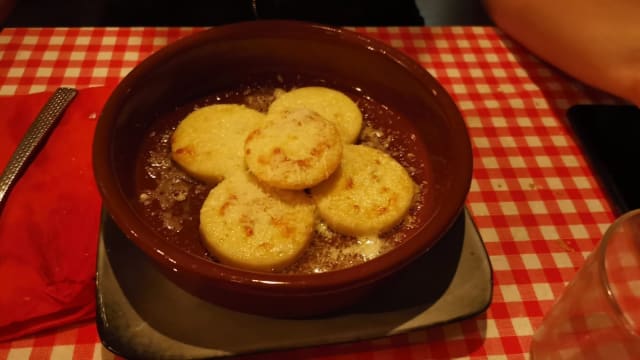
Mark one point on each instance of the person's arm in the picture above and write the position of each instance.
(596, 41)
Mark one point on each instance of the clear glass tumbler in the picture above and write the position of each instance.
(598, 314)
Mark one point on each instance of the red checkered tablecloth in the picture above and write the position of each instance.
(536, 202)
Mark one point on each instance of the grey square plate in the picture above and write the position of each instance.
(141, 314)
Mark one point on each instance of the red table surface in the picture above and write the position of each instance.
(536, 202)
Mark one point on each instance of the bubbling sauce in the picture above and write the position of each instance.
(170, 200)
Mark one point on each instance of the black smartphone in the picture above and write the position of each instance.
(609, 136)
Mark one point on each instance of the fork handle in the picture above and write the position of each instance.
(35, 136)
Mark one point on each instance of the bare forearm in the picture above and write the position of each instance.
(597, 41)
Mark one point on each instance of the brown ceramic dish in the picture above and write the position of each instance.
(222, 57)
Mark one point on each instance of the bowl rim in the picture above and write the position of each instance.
(171, 257)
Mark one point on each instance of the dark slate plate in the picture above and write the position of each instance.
(141, 314)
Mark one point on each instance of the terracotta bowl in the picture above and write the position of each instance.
(219, 58)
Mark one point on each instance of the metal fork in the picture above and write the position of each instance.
(35, 136)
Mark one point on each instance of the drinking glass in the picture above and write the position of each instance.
(598, 314)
